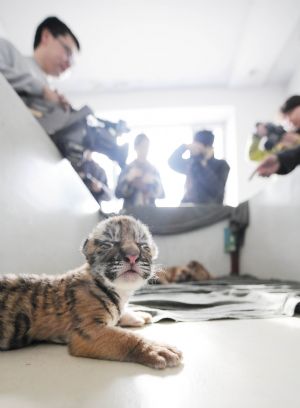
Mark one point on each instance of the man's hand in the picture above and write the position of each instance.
(96, 186)
(55, 97)
(196, 149)
(261, 130)
(64, 102)
(51, 96)
(268, 166)
(133, 174)
(148, 178)
(290, 139)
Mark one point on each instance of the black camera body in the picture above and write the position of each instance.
(274, 135)
(118, 128)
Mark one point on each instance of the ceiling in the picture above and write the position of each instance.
(158, 44)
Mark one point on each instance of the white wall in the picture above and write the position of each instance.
(293, 87)
(249, 105)
(46, 211)
(2, 30)
(271, 247)
(205, 245)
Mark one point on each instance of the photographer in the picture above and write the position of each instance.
(285, 162)
(55, 48)
(270, 138)
(205, 176)
(139, 183)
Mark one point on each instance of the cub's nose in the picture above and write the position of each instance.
(131, 258)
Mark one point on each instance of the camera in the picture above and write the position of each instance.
(117, 128)
(273, 133)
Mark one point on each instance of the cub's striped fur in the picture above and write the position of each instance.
(83, 307)
(193, 271)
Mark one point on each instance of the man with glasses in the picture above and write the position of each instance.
(55, 46)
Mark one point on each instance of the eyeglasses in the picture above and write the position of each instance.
(68, 50)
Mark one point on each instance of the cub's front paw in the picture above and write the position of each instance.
(135, 319)
(155, 355)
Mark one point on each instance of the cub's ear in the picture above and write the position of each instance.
(88, 248)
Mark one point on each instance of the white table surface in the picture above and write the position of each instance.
(245, 363)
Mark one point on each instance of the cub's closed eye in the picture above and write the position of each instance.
(104, 244)
(145, 247)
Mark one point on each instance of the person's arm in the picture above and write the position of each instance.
(176, 162)
(153, 184)
(255, 153)
(125, 187)
(103, 191)
(105, 194)
(281, 163)
(14, 68)
(267, 167)
(288, 160)
(56, 98)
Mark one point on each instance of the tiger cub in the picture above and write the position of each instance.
(193, 271)
(82, 308)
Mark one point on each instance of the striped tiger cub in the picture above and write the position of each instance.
(193, 271)
(84, 308)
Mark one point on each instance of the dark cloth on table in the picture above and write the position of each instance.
(176, 220)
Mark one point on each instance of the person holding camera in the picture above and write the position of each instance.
(286, 161)
(55, 48)
(206, 176)
(139, 183)
(269, 138)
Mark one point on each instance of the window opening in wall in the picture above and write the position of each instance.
(164, 139)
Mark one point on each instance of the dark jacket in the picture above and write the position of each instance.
(288, 160)
(204, 184)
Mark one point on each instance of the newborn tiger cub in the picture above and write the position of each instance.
(84, 307)
(193, 271)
